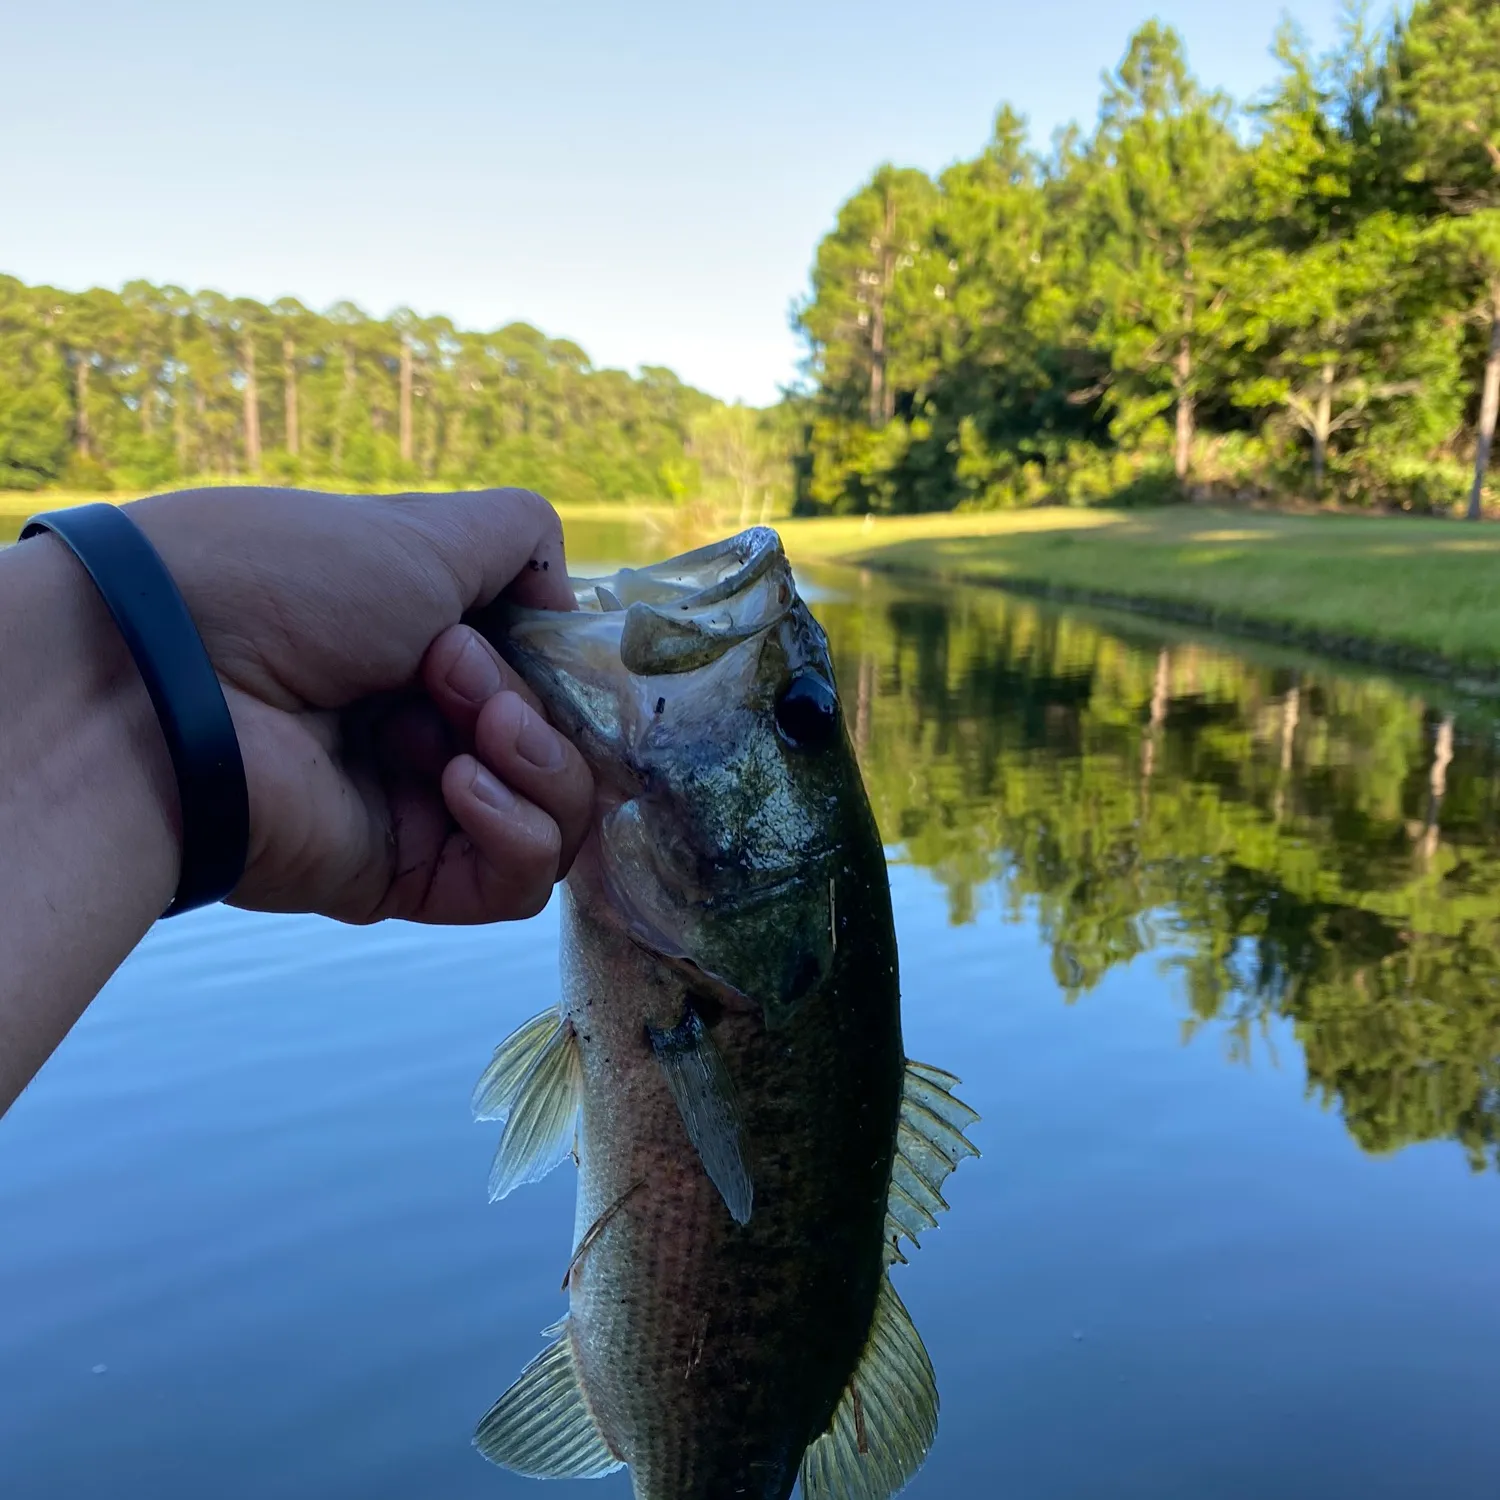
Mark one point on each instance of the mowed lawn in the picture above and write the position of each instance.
(1417, 588)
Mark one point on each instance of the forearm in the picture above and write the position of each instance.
(88, 843)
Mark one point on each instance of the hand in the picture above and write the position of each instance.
(396, 766)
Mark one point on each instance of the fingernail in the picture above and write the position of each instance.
(539, 742)
(491, 792)
(474, 675)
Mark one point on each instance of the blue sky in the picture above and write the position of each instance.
(648, 179)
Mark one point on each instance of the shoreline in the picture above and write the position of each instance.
(1414, 596)
(1367, 651)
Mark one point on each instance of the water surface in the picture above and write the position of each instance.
(1212, 936)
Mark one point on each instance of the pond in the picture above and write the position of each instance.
(1211, 934)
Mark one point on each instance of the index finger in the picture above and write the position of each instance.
(495, 541)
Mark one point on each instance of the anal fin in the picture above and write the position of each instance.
(704, 1094)
(542, 1426)
(887, 1418)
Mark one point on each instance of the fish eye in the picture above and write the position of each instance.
(807, 713)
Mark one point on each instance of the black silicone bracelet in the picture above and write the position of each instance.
(170, 655)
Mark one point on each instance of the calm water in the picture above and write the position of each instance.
(1213, 938)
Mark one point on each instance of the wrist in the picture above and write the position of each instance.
(87, 771)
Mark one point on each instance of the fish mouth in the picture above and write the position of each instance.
(705, 576)
(603, 670)
(670, 617)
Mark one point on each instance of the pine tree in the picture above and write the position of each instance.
(1442, 115)
(1159, 174)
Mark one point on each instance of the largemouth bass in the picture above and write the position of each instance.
(725, 1065)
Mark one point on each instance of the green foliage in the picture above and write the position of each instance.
(745, 455)
(35, 420)
(1346, 334)
(155, 385)
(1156, 182)
(1442, 103)
(1101, 325)
(1423, 486)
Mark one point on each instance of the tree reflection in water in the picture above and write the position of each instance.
(1297, 842)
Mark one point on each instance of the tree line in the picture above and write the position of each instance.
(155, 385)
(1301, 294)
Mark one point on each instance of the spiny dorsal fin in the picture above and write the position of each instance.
(930, 1143)
(886, 1419)
(542, 1426)
(704, 1093)
(498, 1085)
(539, 1129)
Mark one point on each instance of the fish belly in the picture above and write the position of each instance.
(712, 1353)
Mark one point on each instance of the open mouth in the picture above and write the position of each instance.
(662, 620)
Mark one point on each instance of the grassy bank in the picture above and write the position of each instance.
(1418, 594)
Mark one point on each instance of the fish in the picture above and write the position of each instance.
(725, 1064)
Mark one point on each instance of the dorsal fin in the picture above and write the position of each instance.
(930, 1143)
(886, 1419)
(542, 1426)
(541, 1107)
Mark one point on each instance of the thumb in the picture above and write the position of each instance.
(493, 540)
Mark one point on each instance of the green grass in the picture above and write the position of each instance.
(1418, 593)
(17, 505)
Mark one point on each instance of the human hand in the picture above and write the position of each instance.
(396, 766)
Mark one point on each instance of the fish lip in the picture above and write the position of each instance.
(757, 548)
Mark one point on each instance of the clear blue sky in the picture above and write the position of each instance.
(649, 179)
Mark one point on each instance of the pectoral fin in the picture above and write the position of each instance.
(498, 1085)
(704, 1094)
(930, 1143)
(886, 1419)
(542, 1112)
(542, 1426)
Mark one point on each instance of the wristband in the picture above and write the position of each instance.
(185, 692)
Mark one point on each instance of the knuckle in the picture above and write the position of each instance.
(535, 900)
(523, 892)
